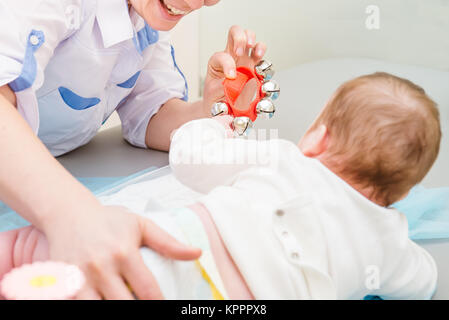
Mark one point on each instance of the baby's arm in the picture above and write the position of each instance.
(204, 155)
(21, 246)
(415, 275)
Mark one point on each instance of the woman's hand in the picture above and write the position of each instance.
(105, 244)
(241, 50)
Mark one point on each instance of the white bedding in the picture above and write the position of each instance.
(161, 186)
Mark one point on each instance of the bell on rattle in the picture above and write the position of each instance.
(266, 90)
(265, 69)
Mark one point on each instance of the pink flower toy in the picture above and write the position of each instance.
(42, 281)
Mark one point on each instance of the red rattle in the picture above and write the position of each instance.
(262, 104)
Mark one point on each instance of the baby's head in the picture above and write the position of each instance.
(379, 133)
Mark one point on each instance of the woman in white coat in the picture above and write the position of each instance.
(65, 66)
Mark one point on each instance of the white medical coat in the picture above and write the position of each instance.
(72, 63)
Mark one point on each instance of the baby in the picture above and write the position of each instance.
(280, 221)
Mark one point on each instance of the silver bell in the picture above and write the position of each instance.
(265, 69)
(219, 108)
(242, 125)
(266, 108)
(271, 89)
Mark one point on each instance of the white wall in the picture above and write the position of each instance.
(412, 32)
(186, 41)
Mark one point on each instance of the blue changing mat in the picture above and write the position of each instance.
(10, 220)
(427, 210)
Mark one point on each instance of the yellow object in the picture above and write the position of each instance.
(194, 231)
(43, 281)
(215, 293)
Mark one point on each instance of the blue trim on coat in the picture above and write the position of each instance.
(186, 92)
(75, 101)
(146, 37)
(119, 104)
(128, 84)
(107, 118)
(29, 66)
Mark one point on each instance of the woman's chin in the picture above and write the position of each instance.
(160, 25)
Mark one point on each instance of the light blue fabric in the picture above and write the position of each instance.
(10, 220)
(29, 68)
(146, 36)
(128, 84)
(75, 101)
(107, 118)
(427, 212)
(186, 90)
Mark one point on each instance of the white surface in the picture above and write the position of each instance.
(161, 186)
(297, 31)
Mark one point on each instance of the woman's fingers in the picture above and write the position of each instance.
(250, 40)
(88, 293)
(113, 287)
(105, 273)
(222, 65)
(240, 42)
(237, 41)
(258, 52)
(160, 241)
(140, 279)
(241, 50)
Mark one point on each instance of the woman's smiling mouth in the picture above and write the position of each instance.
(172, 10)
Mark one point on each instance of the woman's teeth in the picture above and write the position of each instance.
(174, 11)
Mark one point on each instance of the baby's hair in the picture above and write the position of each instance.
(384, 134)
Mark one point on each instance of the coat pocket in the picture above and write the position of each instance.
(68, 120)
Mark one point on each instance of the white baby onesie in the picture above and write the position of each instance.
(178, 280)
(294, 228)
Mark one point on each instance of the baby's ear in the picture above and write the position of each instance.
(315, 142)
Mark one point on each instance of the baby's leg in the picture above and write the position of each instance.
(7, 240)
(21, 246)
